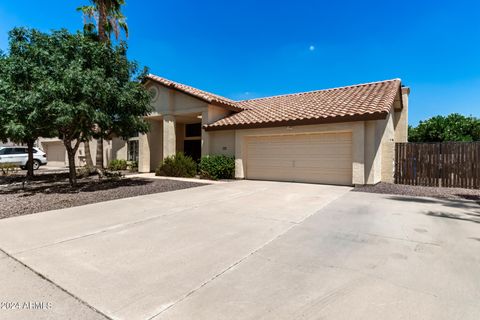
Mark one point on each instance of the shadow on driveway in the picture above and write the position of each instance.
(472, 215)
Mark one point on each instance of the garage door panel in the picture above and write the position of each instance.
(334, 164)
(55, 154)
(319, 158)
(271, 163)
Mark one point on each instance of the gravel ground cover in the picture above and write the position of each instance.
(52, 191)
(420, 191)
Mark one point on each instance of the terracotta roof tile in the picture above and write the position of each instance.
(359, 102)
(367, 101)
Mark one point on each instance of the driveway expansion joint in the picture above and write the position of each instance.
(254, 252)
(86, 304)
(137, 222)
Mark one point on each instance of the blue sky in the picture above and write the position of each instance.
(249, 49)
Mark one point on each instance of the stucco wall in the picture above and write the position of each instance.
(222, 142)
(388, 149)
(372, 157)
(150, 147)
(401, 118)
(379, 150)
(209, 146)
(119, 149)
(171, 101)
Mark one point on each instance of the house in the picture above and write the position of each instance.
(57, 154)
(342, 136)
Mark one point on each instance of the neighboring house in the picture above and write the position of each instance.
(8, 144)
(340, 136)
(57, 154)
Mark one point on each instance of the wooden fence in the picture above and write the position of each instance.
(446, 164)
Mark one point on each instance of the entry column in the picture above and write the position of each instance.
(143, 153)
(205, 135)
(169, 138)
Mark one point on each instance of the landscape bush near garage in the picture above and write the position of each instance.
(217, 167)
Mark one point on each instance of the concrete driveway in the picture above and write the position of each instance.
(247, 250)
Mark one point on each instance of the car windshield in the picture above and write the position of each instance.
(3, 150)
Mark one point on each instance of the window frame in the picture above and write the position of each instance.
(192, 137)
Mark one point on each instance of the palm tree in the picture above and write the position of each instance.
(105, 17)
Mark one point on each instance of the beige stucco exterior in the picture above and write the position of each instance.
(373, 142)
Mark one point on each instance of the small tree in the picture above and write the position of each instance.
(454, 127)
(24, 97)
(101, 19)
(92, 87)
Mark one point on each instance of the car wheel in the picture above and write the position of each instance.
(36, 164)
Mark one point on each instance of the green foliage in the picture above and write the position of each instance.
(454, 127)
(178, 165)
(116, 175)
(117, 165)
(80, 87)
(24, 94)
(133, 166)
(112, 19)
(217, 167)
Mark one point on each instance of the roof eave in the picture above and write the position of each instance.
(287, 123)
(230, 107)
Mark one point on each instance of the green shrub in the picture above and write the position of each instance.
(178, 165)
(117, 164)
(133, 166)
(85, 171)
(217, 167)
(113, 176)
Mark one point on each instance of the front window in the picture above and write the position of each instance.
(193, 130)
(132, 150)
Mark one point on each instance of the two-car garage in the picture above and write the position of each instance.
(314, 157)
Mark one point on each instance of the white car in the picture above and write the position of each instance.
(18, 155)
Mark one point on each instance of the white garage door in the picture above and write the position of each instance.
(318, 158)
(55, 154)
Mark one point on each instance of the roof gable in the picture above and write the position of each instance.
(197, 93)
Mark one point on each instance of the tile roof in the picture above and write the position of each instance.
(368, 101)
(197, 93)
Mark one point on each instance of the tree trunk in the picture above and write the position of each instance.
(102, 21)
(99, 156)
(88, 154)
(71, 151)
(72, 173)
(103, 36)
(30, 160)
